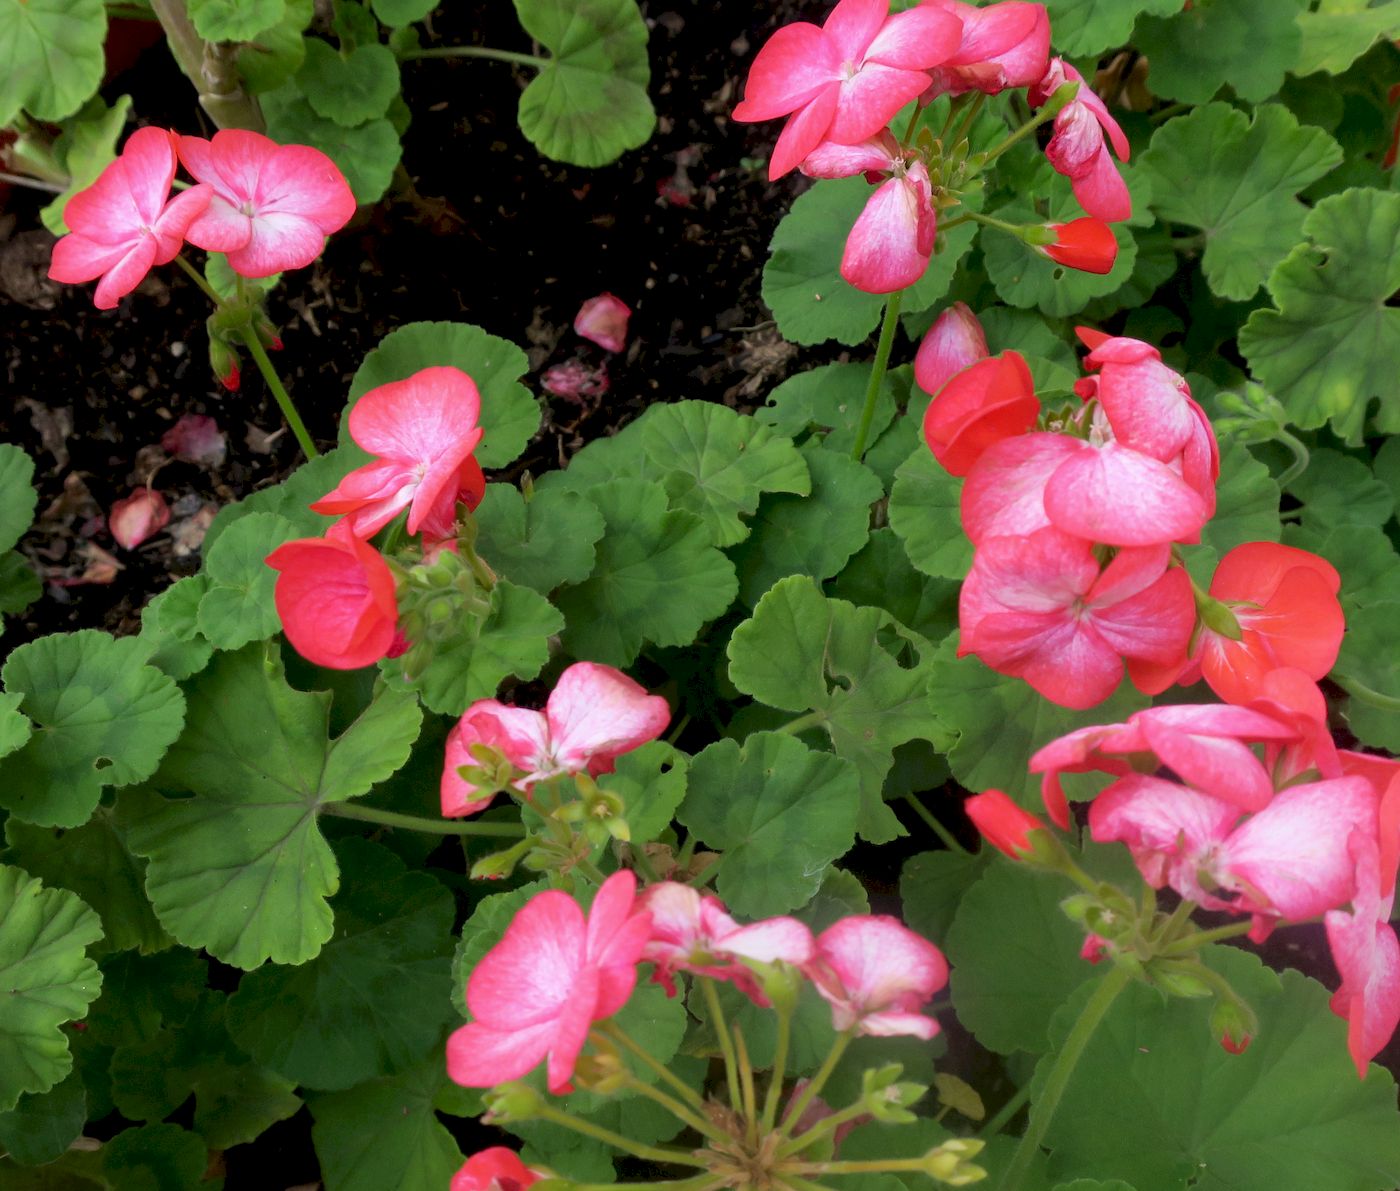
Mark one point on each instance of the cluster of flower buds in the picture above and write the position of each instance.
(337, 594)
(840, 85)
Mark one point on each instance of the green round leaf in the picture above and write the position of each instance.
(47, 977)
(348, 89)
(170, 629)
(41, 1128)
(234, 20)
(18, 498)
(539, 543)
(925, 512)
(1023, 277)
(397, 13)
(510, 414)
(278, 52)
(102, 717)
(588, 105)
(1339, 489)
(366, 153)
(881, 576)
(15, 727)
(50, 56)
(778, 812)
(1080, 27)
(237, 605)
(1340, 31)
(155, 1158)
(830, 400)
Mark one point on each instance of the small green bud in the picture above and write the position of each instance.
(949, 1162)
(1180, 978)
(512, 1102)
(781, 984)
(500, 864)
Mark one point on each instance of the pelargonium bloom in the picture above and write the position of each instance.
(535, 994)
(1087, 244)
(987, 402)
(843, 82)
(1002, 823)
(1003, 45)
(955, 341)
(593, 715)
(603, 320)
(122, 224)
(335, 597)
(494, 1169)
(272, 205)
(876, 974)
(423, 431)
(692, 932)
(1039, 607)
(1077, 148)
(1148, 404)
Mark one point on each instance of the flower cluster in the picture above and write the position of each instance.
(268, 207)
(840, 85)
(336, 595)
(534, 996)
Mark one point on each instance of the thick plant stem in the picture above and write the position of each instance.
(812, 719)
(274, 382)
(726, 1043)
(211, 68)
(370, 814)
(477, 51)
(1194, 942)
(1006, 1112)
(877, 372)
(1043, 1110)
(676, 1109)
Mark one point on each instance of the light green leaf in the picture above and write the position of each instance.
(510, 413)
(234, 20)
(385, 1134)
(101, 716)
(375, 1000)
(1155, 1100)
(240, 868)
(348, 89)
(18, 499)
(1339, 489)
(15, 727)
(47, 977)
(50, 56)
(237, 606)
(472, 663)
(170, 629)
(19, 585)
(810, 535)
(651, 782)
(366, 154)
(87, 146)
(932, 885)
(657, 578)
(1333, 343)
(482, 931)
(1237, 180)
(1340, 31)
(1080, 27)
(1249, 44)
(803, 652)
(278, 52)
(925, 511)
(778, 812)
(830, 400)
(41, 1128)
(588, 105)
(841, 895)
(397, 13)
(540, 543)
(292, 498)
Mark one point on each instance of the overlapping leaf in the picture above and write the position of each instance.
(540, 542)
(50, 56)
(1338, 32)
(351, 88)
(1079, 27)
(926, 513)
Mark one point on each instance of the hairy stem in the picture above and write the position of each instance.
(370, 814)
(726, 1042)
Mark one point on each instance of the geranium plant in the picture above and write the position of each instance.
(544, 829)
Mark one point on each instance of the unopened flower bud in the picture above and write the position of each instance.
(1180, 978)
(512, 1102)
(1234, 1023)
(955, 341)
(781, 984)
(950, 1162)
(603, 1071)
(1088, 245)
(500, 864)
(1003, 824)
(886, 1098)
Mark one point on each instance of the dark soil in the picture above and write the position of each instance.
(480, 228)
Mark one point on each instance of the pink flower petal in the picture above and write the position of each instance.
(890, 244)
(870, 99)
(852, 26)
(793, 66)
(1005, 492)
(220, 227)
(596, 712)
(804, 131)
(916, 39)
(1120, 497)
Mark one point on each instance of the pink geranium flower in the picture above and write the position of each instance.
(593, 715)
(843, 82)
(423, 431)
(1002, 823)
(1039, 608)
(1148, 404)
(272, 205)
(122, 224)
(1003, 45)
(992, 400)
(1084, 244)
(335, 596)
(954, 342)
(1077, 148)
(692, 932)
(495, 1169)
(554, 973)
(876, 975)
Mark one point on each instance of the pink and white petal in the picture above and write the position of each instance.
(917, 39)
(197, 155)
(893, 1025)
(1162, 823)
(529, 975)
(612, 907)
(455, 792)
(148, 161)
(480, 1056)
(300, 180)
(770, 941)
(1005, 491)
(417, 419)
(1121, 497)
(789, 71)
(1043, 572)
(1133, 569)
(882, 252)
(852, 26)
(435, 500)
(870, 99)
(175, 220)
(597, 711)
(1149, 407)
(1101, 191)
(77, 259)
(617, 970)
(881, 963)
(219, 227)
(1217, 765)
(1154, 625)
(237, 158)
(519, 733)
(805, 130)
(1367, 955)
(126, 274)
(830, 160)
(1069, 663)
(278, 242)
(571, 1031)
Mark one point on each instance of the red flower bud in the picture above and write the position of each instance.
(1002, 823)
(1085, 244)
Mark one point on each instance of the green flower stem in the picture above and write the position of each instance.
(610, 1030)
(477, 51)
(877, 372)
(1194, 942)
(1048, 112)
(826, 1125)
(32, 183)
(873, 1166)
(934, 825)
(675, 1108)
(964, 127)
(274, 382)
(1359, 690)
(198, 278)
(642, 862)
(590, 870)
(746, 1088)
(726, 1042)
(780, 1057)
(1006, 1112)
(1014, 229)
(812, 719)
(809, 1093)
(1301, 457)
(370, 814)
(796, 1183)
(547, 1112)
(1170, 928)
(913, 123)
(1043, 1109)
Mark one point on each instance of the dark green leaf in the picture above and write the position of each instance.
(539, 543)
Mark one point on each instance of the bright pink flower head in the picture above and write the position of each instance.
(122, 224)
(691, 932)
(1084, 244)
(496, 1169)
(845, 81)
(891, 243)
(138, 517)
(593, 715)
(1002, 823)
(553, 974)
(335, 596)
(954, 342)
(1077, 148)
(273, 205)
(424, 430)
(1039, 608)
(603, 320)
(991, 400)
(1003, 45)
(877, 974)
